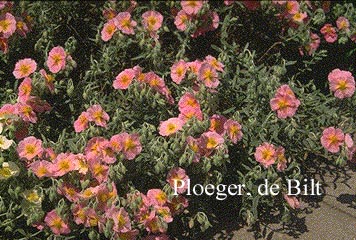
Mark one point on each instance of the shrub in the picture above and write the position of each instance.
(106, 105)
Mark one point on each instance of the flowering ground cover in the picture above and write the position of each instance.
(111, 111)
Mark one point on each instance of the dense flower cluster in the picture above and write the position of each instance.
(11, 24)
(164, 96)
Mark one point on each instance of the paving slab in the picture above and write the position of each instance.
(329, 217)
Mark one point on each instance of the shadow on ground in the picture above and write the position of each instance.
(337, 187)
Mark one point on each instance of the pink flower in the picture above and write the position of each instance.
(139, 75)
(191, 7)
(292, 7)
(94, 147)
(284, 102)
(49, 79)
(189, 107)
(233, 130)
(124, 79)
(2, 4)
(208, 75)
(131, 145)
(25, 90)
(152, 20)
(42, 168)
(165, 213)
(299, 17)
(124, 23)
(82, 122)
(7, 25)
(194, 145)
(48, 153)
(350, 148)
(116, 143)
(170, 126)
(195, 66)
(292, 201)
(24, 68)
(175, 177)
(214, 20)
(78, 212)
(21, 27)
(153, 224)
(109, 13)
(7, 110)
(64, 163)
(178, 71)
(155, 81)
(343, 23)
(82, 163)
(214, 63)
(98, 115)
(156, 197)
(329, 33)
(92, 218)
(108, 154)
(181, 20)
(56, 59)
(121, 219)
(98, 170)
(29, 148)
(69, 191)
(217, 124)
(108, 30)
(266, 154)
(56, 223)
(211, 140)
(106, 197)
(348, 141)
(332, 139)
(25, 111)
(342, 83)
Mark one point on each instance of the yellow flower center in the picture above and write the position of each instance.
(267, 154)
(110, 29)
(129, 144)
(151, 20)
(26, 110)
(30, 149)
(57, 59)
(57, 223)
(64, 164)
(211, 143)
(4, 24)
(126, 23)
(180, 71)
(41, 171)
(98, 169)
(282, 104)
(24, 69)
(342, 85)
(171, 127)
